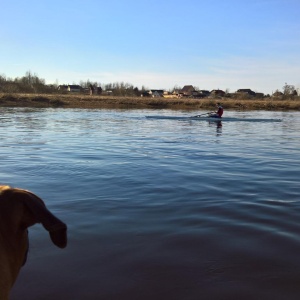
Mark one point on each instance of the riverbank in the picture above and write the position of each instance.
(87, 101)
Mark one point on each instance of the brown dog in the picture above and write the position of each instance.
(20, 209)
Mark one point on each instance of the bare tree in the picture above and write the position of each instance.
(288, 89)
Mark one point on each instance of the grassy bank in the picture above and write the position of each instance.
(87, 101)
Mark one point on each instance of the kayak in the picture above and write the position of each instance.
(211, 119)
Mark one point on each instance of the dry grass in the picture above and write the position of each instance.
(87, 101)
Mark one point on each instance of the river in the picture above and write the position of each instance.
(158, 209)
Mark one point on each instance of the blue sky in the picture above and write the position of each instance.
(226, 44)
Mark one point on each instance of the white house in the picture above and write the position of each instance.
(74, 88)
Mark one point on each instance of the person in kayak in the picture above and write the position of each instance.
(218, 113)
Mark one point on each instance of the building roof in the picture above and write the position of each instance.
(217, 92)
(187, 89)
(158, 91)
(247, 91)
(74, 86)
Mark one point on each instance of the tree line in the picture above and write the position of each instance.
(32, 83)
(29, 83)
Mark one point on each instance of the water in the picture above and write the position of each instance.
(158, 209)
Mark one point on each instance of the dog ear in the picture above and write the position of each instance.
(56, 228)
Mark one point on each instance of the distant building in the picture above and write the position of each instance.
(218, 92)
(74, 88)
(70, 88)
(277, 94)
(62, 88)
(153, 93)
(246, 91)
(204, 93)
(259, 95)
(187, 91)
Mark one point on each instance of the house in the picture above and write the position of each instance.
(153, 93)
(259, 95)
(74, 88)
(176, 93)
(246, 92)
(187, 91)
(156, 93)
(277, 94)
(70, 88)
(191, 92)
(218, 92)
(204, 93)
(145, 94)
(62, 88)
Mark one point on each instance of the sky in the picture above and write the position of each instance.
(158, 44)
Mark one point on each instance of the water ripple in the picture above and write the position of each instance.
(158, 210)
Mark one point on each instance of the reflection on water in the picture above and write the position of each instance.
(218, 126)
(162, 209)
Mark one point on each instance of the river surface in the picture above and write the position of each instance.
(158, 209)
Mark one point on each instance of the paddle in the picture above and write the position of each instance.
(201, 115)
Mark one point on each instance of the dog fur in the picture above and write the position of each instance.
(20, 209)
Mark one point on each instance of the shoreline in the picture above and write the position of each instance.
(101, 101)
